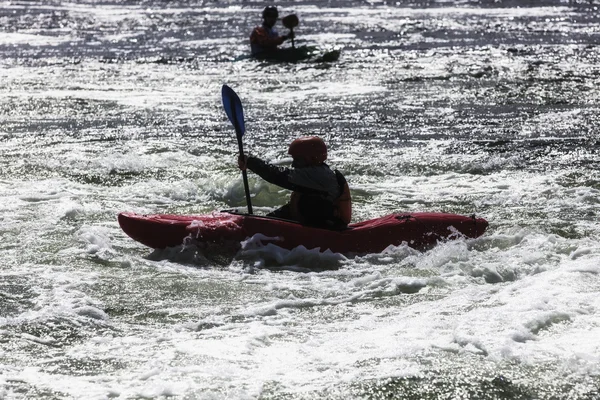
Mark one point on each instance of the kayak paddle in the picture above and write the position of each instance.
(290, 22)
(233, 108)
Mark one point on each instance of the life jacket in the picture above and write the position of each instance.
(342, 205)
(264, 39)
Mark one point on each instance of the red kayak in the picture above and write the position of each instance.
(419, 230)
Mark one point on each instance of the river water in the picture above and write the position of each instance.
(488, 108)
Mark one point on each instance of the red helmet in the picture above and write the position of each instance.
(312, 149)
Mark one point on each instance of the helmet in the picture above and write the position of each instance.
(312, 149)
(270, 11)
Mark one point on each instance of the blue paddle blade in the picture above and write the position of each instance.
(233, 108)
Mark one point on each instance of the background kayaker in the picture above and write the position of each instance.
(264, 39)
(320, 197)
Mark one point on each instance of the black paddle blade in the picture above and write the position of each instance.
(290, 21)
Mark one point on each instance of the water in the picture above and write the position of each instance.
(458, 106)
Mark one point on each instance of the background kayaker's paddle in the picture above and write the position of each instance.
(233, 108)
(290, 22)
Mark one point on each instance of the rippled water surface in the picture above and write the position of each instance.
(488, 108)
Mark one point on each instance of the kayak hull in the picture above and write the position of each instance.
(302, 53)
(417, 230)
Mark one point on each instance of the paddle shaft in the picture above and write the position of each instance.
(241, 147)
(292, 31)
(245, 178)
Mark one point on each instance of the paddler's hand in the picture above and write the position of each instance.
(289, 36)
(242, 161)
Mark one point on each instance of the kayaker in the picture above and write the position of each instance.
(264, 39)
(320, 196)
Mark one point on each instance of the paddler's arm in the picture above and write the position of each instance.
(279, 176)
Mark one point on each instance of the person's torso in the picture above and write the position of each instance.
(320, 178)
(257, 39)
(325, 207)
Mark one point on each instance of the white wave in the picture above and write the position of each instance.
(17, 38)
